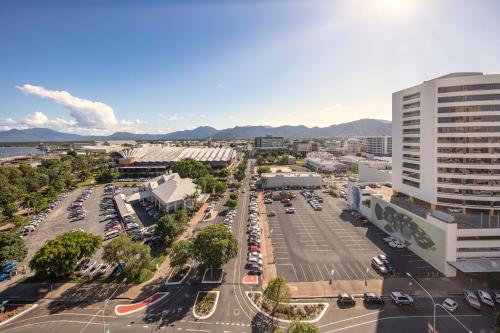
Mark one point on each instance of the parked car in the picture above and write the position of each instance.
(485, 297)
(496, 296)
(471, 299)
(379, 266)
(400, 298)
(271, 213)
(254, 249)
(450, 305)
(372, 298)
(345, 299)
(387, 263)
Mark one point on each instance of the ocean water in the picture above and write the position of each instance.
(18, 151)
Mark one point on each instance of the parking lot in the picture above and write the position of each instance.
(309, 245)
(61, 220)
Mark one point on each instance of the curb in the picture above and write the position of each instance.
(178, 282)
(315, 320)
(33, 306)
(217, 293)
(305, 297)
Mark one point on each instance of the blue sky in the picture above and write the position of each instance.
(160, 66)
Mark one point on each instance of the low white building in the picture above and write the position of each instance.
(280, 180)
(326, 165)
(169, 192)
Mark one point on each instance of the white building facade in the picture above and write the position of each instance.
(379, 145)
(446, 141)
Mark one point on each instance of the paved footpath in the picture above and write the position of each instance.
(269, 267)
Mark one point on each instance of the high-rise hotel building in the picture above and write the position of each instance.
(446, 141)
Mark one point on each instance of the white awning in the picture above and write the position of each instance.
(477, 265)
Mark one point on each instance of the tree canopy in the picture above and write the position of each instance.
(263, 169)
(59, 256)
(12, 247)
(190, 168)
(277, 291)
(135, 256)
(170, 226)
(180, 253)
(214, 246)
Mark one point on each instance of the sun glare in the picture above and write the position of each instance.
(394, 7)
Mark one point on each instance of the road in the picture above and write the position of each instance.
(235, 312)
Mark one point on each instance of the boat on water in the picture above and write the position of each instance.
(43, 147)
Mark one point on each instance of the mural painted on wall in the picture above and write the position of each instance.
(403, 224)
(421, 237)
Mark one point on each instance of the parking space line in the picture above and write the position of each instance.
(352, 270)
(303, 272)
(314, 275)
(319, 270)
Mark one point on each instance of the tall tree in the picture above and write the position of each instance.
(12, 247)
(276, 292)
(214, 246)
(180, 253)
(59, 256)
(135, 256)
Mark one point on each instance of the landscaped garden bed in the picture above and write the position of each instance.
(205, 304)
(311, 312)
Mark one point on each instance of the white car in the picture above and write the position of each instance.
(450, 305)
(391, 239)
(397, 245)
(254, 254)
(255, 260)
(485, 297)
(471, 299)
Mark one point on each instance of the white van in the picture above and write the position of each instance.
(111, 234)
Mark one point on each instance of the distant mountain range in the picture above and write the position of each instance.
(362, 127)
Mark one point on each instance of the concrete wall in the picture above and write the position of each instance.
(368, 174)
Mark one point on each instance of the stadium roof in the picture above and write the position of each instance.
(159, 153)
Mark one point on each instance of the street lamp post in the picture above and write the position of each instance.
(106, 304)
(432, 299)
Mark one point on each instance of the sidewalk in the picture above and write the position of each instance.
(164, 269)
(323, 289)
(269, 268)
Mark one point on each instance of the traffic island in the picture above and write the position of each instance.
(213, 275)
(126, 309)
(288, 312)
(178, 275)
(205, 304)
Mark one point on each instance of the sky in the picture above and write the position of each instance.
(97, 67)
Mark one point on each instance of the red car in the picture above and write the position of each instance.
(254, 249)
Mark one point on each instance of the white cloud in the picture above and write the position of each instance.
(173, 117)
(39, 119)
(220, 86)
(8, 121)
(87, 113)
